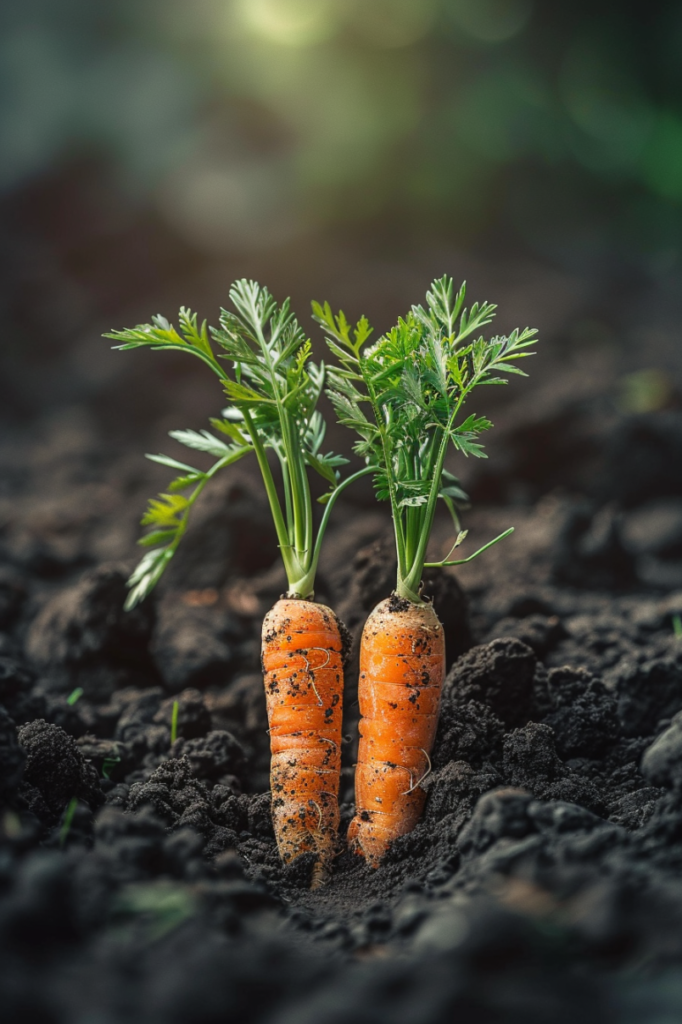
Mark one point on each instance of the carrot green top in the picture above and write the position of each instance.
(273, 387)
(415, 380)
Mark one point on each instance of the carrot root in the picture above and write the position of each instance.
(402, 665)
(303, 673)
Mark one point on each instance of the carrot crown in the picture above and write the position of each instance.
(415, 380)
(273, 389)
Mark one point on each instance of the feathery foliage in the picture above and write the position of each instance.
(273, 388)
(403, 396)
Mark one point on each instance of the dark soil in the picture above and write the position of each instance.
(139, 879)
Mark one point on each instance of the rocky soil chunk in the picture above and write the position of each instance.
(212, 756)
(649, 691)
(500, 813)
(84, 636)
(55, 771)
(662, 761)
(499, 675)
(467, 732)
(194, 646)
(583, 715)
(193, 718)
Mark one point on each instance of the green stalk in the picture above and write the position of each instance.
(309, 579)
(388, 465)
(273, 499)
(174, 722)
(299, 488)
(463, 561)
(410, 584)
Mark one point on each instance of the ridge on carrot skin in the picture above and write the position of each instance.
(402, 665)
(303, 674)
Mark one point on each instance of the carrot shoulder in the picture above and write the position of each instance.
(402, 665)
(303, 673)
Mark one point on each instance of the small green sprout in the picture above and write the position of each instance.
(157, 907)
(677, 626)
(68, 820)
(75, 696)
(108, 766)
(174, 722)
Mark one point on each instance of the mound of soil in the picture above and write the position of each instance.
(139, 879)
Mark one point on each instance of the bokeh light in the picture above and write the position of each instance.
(290, 22)
(490, 21)
(392, 24)
(244, 122)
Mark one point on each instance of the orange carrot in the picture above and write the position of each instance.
(402, 665)
(403, 396)
(274, 388)
(303, 671)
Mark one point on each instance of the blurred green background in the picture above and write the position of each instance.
(248, 122)
(153, 150)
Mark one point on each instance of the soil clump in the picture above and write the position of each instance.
(139, 877)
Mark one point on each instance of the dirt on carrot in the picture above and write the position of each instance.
(402, 665)
(303, 672)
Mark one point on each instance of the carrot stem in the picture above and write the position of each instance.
(463, 561)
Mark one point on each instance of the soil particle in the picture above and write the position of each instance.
(173, 792)
(193, 717)
(83, 636)
(542, 633)
(498, 675)
(467, 732)
(453, 789)
(212, 756)
(133, 713)
(55, 771)
(662, 761)
(193, 646)
(648, 691)
(530, 753)
(500, 813)
(583, 715)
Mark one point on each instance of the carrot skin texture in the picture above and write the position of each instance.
(402, 666)
(302, 653)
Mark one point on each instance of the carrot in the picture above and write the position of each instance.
(415, 380)
(402, 665)
(274, 390)
(303, 669)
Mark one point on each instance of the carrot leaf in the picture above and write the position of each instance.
(263, 359)
(403, 396)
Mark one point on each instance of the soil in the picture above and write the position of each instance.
(139, 879)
